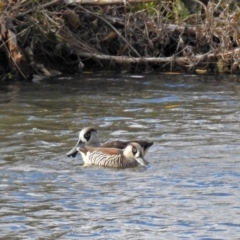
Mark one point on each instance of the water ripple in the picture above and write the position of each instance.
(189, 190)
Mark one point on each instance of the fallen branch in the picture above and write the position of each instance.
(124, 59)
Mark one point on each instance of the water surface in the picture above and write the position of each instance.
(189, 190)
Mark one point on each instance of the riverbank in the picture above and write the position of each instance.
(51, 38)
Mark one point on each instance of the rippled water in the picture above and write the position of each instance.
(189, 190)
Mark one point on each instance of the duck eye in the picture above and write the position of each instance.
(134, 150)
(87, 135)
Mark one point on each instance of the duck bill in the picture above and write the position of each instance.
(141, 161)
(73, 152)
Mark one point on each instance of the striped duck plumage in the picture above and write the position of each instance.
(131, 156)
(89, 137)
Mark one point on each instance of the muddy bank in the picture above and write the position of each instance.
(51, 38)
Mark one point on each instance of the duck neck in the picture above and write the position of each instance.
(94, 141)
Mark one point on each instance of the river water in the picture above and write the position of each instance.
(189, 190)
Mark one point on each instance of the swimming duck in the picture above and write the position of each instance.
(89, 137)
(130, 156)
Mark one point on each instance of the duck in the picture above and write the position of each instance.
(131, 156)
(88, 137)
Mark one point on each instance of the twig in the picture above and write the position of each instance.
(42, 6)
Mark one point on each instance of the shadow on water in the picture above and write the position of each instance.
(190, 189)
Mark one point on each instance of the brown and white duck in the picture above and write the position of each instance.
(89, 137)
(131, 156)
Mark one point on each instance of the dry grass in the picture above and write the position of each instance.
(150, 37)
